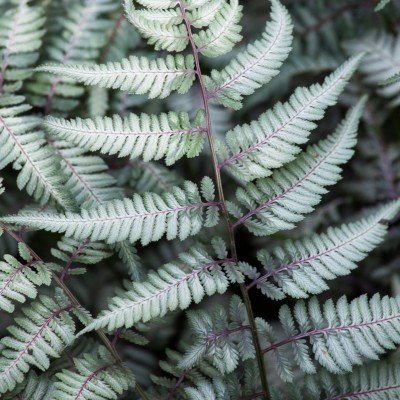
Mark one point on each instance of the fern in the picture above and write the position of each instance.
(21, 32)
(178, 213)
(257, 65)
(97, 377)
(137, 75)
(111, 173)
(43, 333)
(19, 281)
(382, 62)
(223, 32)
(302, 267)
(169, 288)
(279, 202)
(152, 137)
(22, 143)
(250, 149)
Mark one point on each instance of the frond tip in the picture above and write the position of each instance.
(136, 75)
(152, 137)
(253, 151)
(279, 202)
(257, 65)
(178, 213)
(303, 266)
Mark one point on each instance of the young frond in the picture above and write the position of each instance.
(178, 213)
(23, 144)
(222, 339)
(82, 36)
(19, 281)
(302, 267)
(95, 377)
(279, 202)
(151, 137)
(257, 65)
(164, 34)
(254, 149)
(340, 336)
(176, 285)
(137, 75)
(223, 33)
(381, 62)
(21, 31)
(41, 334)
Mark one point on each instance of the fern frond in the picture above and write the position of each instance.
(178, 213)
(169, 135)
(82, 36)
(223, 33)
(196, 274)
(279, 202)
(137, 75)
(43, 333)
(340, 336)
(257, 65)
(158, 4)
(381, 62)
(22, 144)
(222, 339)
(302, 267)
(20, 280)
(164, 34)
(21, 32)
(96, 377)
(204, 14)
(35, 388)
(83, 253)
(252, 149)
(87, 179)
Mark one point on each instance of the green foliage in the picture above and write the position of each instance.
(19, 281)
(185, 179)
(97, 377)
(42, 333)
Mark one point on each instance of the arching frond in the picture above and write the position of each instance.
(302, 267)
(340, 336)
(41, 334)
(176, 285)
(252, 149)
(21, 31)
(169, 135)
(163, 34)
(279, 202)
(223, 33)
(381, 62)
(178, 213)
(96, 377)
(257, 65)
(20, 280)
(23, 144)
(138, 75)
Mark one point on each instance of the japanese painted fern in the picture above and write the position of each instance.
(253, 185)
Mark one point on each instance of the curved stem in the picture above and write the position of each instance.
(75, 302)
(221, 195)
